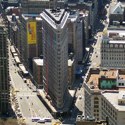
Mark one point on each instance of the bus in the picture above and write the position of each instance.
(48, 119)
(23, 70)
(41, 121)
(17, 60)
(12, 50)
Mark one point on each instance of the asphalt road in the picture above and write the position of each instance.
(29, 103)
(95, 59)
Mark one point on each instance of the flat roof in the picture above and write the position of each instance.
(113, 99)
(92, 78)
(115, 31)
(28, 16)
(121, 76)
(121, 95)
(38, 61)
(117, 41)
(109, 73)
(70, 62)
(56, 18)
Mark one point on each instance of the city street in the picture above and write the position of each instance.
(29, 104)
(95, 59)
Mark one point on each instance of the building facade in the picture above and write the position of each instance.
(4, 71)
(116, 12)
(31, 38)
(82, 120)
(90, 5)
(14, 34)
(55, 56)
(113, 49)
(37, 72)
(75, 35)
(36, 6)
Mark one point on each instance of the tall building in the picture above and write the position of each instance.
(75, 35)
(4, 71)
(105, 95)
(113, 49)
(55, 59)
(31, 38)
(14, 34)
(90, 5)
(36, 6)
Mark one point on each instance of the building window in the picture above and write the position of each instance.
(119, 84)
(96, 106)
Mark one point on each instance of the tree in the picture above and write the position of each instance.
(11, 121)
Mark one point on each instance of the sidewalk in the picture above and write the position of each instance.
(49, 105)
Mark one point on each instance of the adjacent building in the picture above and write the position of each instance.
(8, 3)
(36, 6)
(90, 5)
(75, 35)
(37, 72)
(31, 37)
(104, 95)
(117, 13)
(113, 49)
(55, 56)
(14, 34)
(4, 71)
(82, 120)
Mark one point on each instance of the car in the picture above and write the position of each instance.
(81, 84)
(18, 109)
(27, 97)
(19, 114)
(80, 97)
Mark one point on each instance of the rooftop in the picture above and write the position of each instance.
(70, 62)
(73, 15)
(38, 61)
(57, 18)
(29, 16)
(115, 36)
(117, 9)
(113, 99)
(121, 95)
(104, 79)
